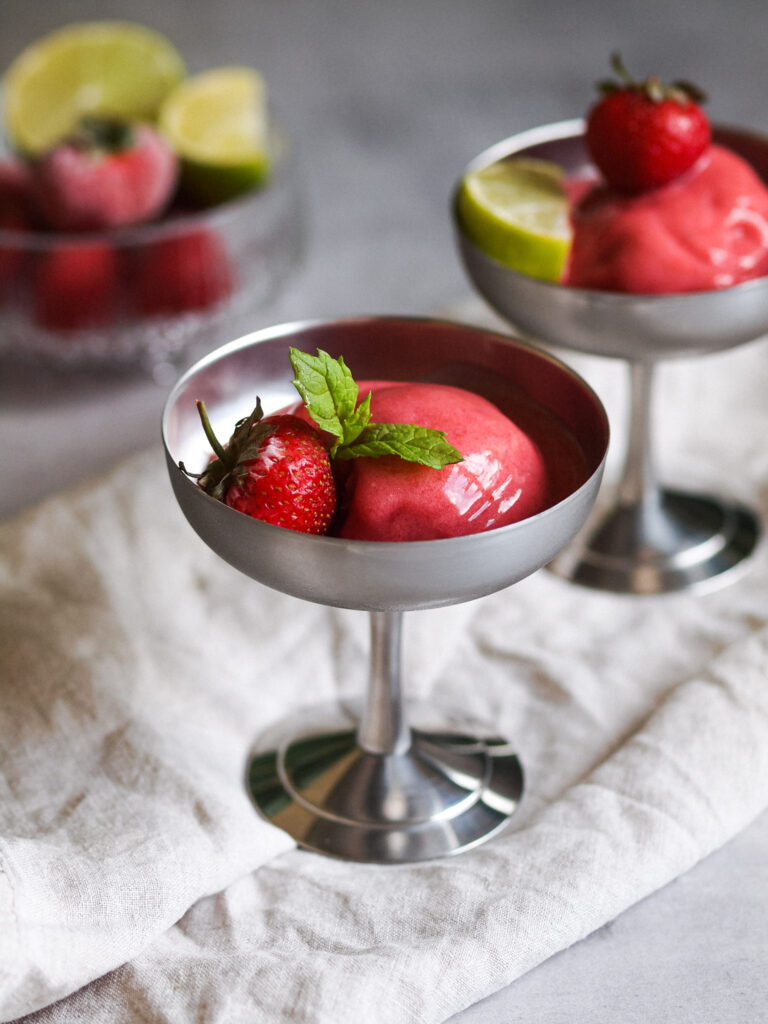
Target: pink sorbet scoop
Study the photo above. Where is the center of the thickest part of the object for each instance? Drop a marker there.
(502, 478)
(707, 229)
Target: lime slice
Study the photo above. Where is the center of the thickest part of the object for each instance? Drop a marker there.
(516, 211)
(114, 68)
(217, 123)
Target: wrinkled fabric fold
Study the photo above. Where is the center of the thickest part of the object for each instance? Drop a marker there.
(309, 939)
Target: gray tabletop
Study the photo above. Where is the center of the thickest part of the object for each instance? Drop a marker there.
(388, 101)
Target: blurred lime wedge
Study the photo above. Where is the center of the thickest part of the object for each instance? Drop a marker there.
(516, 211)
(217, 123)
(114, 68)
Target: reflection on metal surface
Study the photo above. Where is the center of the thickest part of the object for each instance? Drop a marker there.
(445, 793)
(695, 542)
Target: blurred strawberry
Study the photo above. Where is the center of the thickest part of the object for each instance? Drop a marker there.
(11, 256)
(183, 272)
(14, 216)
(109, 174)
(15, 188)
(76, 287)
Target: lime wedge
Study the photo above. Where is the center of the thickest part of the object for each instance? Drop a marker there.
(516, 211)
(114, 68)
(218, 125)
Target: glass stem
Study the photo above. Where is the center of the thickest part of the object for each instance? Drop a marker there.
(638, 487)
(383, 729)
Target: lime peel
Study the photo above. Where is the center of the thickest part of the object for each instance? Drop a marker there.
(517, 212)
(217, 123)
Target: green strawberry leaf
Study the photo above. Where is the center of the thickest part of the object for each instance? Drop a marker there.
(329, 393)
(228, 465)
(248, 445)
(423, 445)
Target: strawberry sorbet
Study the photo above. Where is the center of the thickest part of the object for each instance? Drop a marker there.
(707, 229)
(508, 471)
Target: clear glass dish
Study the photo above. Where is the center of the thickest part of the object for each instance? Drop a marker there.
(148, 294)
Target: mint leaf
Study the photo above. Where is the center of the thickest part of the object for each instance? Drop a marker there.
(329, 393)
(357, 422)
(423, 445)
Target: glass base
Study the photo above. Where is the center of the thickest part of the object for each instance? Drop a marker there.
(448, 791)
(683, 542)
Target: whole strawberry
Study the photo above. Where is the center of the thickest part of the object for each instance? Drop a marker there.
(109, 174)
(276, 469)
(642, 135)
(183, 272)
(76, 286)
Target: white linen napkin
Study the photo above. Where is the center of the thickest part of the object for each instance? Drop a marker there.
(135, 669)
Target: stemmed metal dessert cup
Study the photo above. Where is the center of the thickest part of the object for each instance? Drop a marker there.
(651, 539)
(388, 783)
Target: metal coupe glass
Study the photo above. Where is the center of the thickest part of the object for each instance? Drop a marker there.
(651, 539)
(377, 785)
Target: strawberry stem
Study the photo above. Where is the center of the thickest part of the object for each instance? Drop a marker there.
(620, 69)
(214, 442)
(105, 134)
(681, 91)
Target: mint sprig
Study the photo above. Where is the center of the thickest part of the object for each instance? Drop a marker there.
(329, 393)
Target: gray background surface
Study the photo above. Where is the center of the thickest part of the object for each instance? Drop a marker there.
(387, 102)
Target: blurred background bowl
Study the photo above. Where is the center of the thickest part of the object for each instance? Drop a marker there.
(152, 294)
